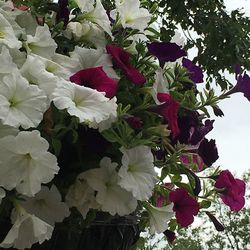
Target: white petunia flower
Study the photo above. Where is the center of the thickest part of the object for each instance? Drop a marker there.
(89, 105)
(159, 217)
(7, 34)
(131, 15)
(86, 31)
(10, 16)
(2, 194)
(43, 73)
(26, 163)
(47, 205)
(81, 196)
(99, 16)
(21, 104)
(137, 172)
(89, 58)
(27, 230)
(110, 195)
(42, 43)
(76, 30)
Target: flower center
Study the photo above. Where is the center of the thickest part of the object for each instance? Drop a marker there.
(131, 168)
(2, 35)
(13, 102)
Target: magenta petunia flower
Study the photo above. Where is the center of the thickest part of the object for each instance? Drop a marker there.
(121, 60)
(185, 206)
(95, 78)
(195, 72)
(165, 51)
(234, 190)
(169, 110)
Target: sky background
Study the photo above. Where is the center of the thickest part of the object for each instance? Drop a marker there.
(232, 132)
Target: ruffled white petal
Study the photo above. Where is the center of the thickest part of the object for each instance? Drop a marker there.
(25, 162)
(89, 105)
(21, 104)
(47, 205)
(27, 230)
(137, 173)
(110, 195)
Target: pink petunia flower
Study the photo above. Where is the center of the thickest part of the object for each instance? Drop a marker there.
(95, 78)
(121, 59)
(185, 206)
(234, 190)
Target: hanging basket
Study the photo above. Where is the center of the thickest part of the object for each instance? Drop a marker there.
(119, 233)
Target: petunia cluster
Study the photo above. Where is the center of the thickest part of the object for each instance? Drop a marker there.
(97, 115)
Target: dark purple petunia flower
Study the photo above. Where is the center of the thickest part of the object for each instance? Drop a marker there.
(243, 85)
(195, 72)
(198, 133)
(121, 60)
(185, 206)
(95, 78)
(63, 11)
(189, 120)
(165, 51)
(208, 151)
(192, 130)
(170, 235)
(234, 190)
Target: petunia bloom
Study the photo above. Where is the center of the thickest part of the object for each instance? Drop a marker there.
(195, 72)
(169, 110)
(131, 15)
(165, 51)
(47, 205)
(137, 172)
(81, 196)
(26, 163)
(95, 78)
(234, 190)
(121, 59)
(208, 151)
(89, 105)
(26, 230)
(158, 217)
(243, 86)
(185, 206)
(111, 197)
